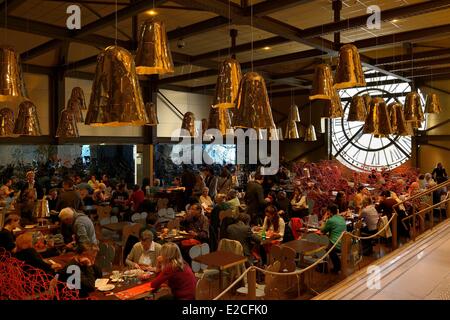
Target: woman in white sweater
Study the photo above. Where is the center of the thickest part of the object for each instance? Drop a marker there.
(274, 223)
(143, 255)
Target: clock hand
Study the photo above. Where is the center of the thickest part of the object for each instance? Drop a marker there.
(399, 147)
(358, 133)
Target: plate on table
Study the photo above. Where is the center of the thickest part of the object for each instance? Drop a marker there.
(30, 226)
(183, 232)
(133, 273)
(107, 287)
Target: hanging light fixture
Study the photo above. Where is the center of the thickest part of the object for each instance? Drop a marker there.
(377, 121)
(333, 108)
(188, 123)
(11, 81)
(153, 54)
(73, 105)
(253, 107)
(294, 114)
(27, 122)
(413, 108)
(322, 85)
(152, 115)
(397, 118)
(78, 96)
(432, 104)
(116, 98)
(358, 111)
(227, 85)
(349, 71)
(6, 122)
(310, 133)
(291, 131)
(67, 127)
(219, 118)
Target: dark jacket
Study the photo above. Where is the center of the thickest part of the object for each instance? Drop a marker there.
(32, 258)
(7, 240)
(37, 186)
(69, 199)
(241, 232)
(254, 198)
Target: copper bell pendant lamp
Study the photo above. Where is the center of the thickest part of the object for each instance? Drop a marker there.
(152, 115)
(377, 121)
(398, 123)
(333, 108)
(413, 109)
(116, 98)
(27, 122)
(11, 81)
(188, 123)
(322, 86)
(269, 134)
(432, 104)
(220, 118)
(252, 104)
(73, 105)
(153, 54)
(6, 122)
(358, 111)
(227, 85)
(349, 72)
(78, 96)
(310, 134)
(291, 131)
(67, 127)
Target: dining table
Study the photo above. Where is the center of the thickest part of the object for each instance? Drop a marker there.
(220, 260)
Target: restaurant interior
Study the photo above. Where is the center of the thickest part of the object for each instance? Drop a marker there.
(224, 150)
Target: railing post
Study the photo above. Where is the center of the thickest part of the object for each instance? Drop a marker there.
(251, 280)
(394, 231)
(414, 224)
(345, 248)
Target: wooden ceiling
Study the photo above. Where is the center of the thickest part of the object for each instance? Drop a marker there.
(288, 37)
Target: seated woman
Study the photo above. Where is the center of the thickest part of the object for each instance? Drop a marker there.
(99, 195)
(206, 201)
(85, 260)
(273, 224)
(299, 204)
(7, 239)
(6, 190)
(172, 269)
(143, 255)
(341, 201)
(29, 255)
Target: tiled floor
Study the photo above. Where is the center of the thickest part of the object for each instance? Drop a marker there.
(417, 271)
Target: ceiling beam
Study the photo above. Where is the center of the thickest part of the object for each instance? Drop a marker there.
(9, 5)
(415, 56)
(418, 64)
(271, 6)
(198, 28)
(386, 15)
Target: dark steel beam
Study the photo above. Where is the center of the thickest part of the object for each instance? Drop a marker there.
(415, 56)
(198, 28)
(417, 64)
(31, 68)
(9, 5)
(271, 6)
(40, 49)
(386, 15)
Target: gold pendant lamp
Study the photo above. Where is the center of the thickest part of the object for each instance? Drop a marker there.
(11, 81)
(398, 123)
(358, 111)
(116, 98)
(219, 118)
(67, 127)
(413, 108)
(27, 123)
(310, 134)
(349, 72)
(253, 107)
(153, 54)
(333, 108)
(377, 121)
(6, 122)
(322, 85)
(294, 114)
(188, 123)
(152, 115)
(227, 85)
(291, 131)
(78, 96)
(432, 104)
(73, 105)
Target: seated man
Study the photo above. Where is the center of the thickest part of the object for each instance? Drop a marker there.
(89, 272)
(370, 215)
(144, 253)
(196, 223)
(334, 227)
(241, 231)
(7, 239)
(69, 197)
(82, 226)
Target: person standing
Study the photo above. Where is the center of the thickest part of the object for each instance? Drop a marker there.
(30, 192)
(188, 182)
(69, 197)
(254, 198)
(211, 182)
(224, 182)
(82, 226)
(439, 174)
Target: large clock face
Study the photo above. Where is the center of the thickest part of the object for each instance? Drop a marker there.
(364, 152)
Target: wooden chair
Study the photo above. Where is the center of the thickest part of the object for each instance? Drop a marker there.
(130, 230)
(269, 288)
(103, 212)
(203, 290)
(235, 247)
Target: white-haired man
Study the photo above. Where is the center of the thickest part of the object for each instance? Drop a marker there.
(82, 226)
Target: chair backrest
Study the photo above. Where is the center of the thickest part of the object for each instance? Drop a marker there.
(132, 229)
(203, 290)
(136, 216)
(114, 219)
(103, 212)
(144, 215)
(275, 254)
(196, 251)
(271, 290)
(287, 259)
(232, 246)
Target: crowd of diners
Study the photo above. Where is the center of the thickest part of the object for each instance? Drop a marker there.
(218, 205)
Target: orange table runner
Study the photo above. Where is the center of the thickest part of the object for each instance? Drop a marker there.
(134, 292)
